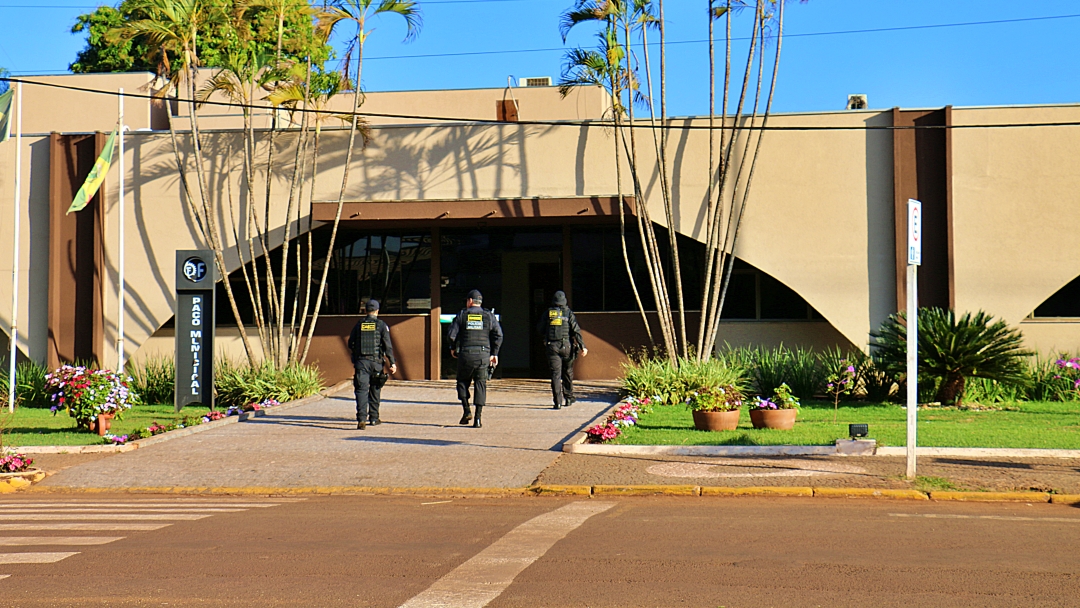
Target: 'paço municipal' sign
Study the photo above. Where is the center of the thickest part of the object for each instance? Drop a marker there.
(196, 279)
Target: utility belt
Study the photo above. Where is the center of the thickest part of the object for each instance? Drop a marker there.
(375, 358)
(560, 342)
(474, 349)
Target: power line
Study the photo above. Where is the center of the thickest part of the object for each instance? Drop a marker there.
(605, 124)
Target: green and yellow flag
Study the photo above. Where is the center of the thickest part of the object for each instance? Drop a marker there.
(96, 176)
(5, 114)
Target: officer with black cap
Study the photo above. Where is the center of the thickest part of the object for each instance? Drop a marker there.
(559, 328)
(370, 345)
(475, 338)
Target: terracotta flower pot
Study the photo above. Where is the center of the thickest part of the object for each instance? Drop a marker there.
(716, 421)
(783, 420)
(102, 424)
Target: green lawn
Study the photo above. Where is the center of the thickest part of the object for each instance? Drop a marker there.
(1038, 424)
(29, 426)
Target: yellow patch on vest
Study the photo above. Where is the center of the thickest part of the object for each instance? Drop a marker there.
(368, 326)
(556, 321)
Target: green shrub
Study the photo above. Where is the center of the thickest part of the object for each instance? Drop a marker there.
(768, 368)
(661, 380)
(240, 384)
(1045, 381)
(953, 349)
(982, 390)
(30, 385)
(876, 383)
(154, 380)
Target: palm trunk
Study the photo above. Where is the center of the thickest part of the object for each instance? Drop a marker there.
(710, 246)
(341, 193)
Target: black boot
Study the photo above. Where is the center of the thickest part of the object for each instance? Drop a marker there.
(476, 421)
(466, 417)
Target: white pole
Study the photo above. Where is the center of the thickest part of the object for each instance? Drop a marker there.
(123, 196)
(15, 249)
(914, 259)
(912, 364)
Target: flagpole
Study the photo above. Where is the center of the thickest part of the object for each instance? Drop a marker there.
(15, 248)
(120, 323)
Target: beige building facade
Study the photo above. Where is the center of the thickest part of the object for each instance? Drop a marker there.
(514, 191)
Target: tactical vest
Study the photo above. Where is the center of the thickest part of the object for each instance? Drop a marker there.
(558, 324)
(476, 328)
(370, 345)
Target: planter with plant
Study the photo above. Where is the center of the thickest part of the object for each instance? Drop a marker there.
(776, 412)
(93, 397)
(716, 409)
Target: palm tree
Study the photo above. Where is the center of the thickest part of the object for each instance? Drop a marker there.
(952, 349)
(171, 30)
(357, 12)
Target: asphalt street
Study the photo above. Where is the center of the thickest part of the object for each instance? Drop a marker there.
(144, 550)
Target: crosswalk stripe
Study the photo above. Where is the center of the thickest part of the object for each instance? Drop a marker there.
(4, 575)
(79, 527)
(7, 505)
(478, 581)
(125, 509)
(17, 541)
(35, 558)
(102, 516)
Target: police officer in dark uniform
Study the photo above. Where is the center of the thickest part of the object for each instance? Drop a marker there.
(370, 345)
(559, 328)
(475, 338)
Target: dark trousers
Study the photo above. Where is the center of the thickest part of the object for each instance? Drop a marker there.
(367, 396)
(472, 367)
(561, 361)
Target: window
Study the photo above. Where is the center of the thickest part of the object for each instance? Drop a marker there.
(1064, 303)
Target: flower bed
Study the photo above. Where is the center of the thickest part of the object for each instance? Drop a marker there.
(15, 463)
(157, 428)
(626, 414)
(88, 393)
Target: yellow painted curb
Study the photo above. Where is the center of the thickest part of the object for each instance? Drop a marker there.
(296, 491)
(562, 490)
(870, 493)
(757, 491)
(1065, 499)
(646, 490)
(992, 496)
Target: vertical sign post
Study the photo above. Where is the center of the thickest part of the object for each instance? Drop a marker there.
(196, 278)
(914, 258)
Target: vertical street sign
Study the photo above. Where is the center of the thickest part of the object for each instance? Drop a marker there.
(914, 248)
(196, 278)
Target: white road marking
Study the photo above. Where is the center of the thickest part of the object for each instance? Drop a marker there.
(35, 558)
(438, 502)
(134, 505)
(1071, 520)
(481, 579)
(4, 575)
(93, 527)
(125, 509)
(14, 541)
(102, 516)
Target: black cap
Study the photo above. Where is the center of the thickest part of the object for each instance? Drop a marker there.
(559, 299)
(372, 305)
(475, 296)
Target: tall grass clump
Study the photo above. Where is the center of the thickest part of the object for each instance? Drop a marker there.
(240, 384)
(154, 379)
(668, 383)
(801, 369)
(30, 385)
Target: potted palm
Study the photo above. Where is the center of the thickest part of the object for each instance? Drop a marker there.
(776, 412)
(716, 408)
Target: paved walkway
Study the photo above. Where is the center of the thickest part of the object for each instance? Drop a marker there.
(419, 444)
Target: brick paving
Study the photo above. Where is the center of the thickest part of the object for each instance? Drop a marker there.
(419, 444)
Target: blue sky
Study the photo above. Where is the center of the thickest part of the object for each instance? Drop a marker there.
(1025, 62)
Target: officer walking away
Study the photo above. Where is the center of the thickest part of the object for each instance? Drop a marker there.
(559, 328)
(475, 338)
(370, 345)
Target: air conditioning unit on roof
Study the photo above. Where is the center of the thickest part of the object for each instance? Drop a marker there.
(537, 81)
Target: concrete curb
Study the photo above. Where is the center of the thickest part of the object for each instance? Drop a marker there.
(583, 490)
(870, 493)
(176, 434)
(297, 491)
(757, 491)
(983, 452)
(10, 482)
(991, 496)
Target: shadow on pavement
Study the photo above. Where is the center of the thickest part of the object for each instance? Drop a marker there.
(983, 463)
